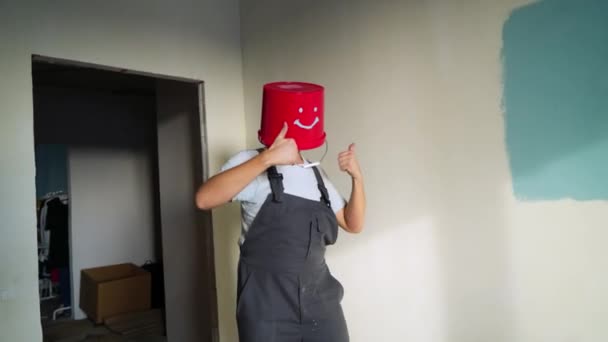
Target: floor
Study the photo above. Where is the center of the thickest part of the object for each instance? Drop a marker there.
(48, 306)
(145, 326)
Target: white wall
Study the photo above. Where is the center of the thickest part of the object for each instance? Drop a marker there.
(448, 254)
(112, 210)
(194, 39)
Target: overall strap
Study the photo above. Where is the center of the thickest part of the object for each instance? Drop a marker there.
(276, 181)
(321, 186)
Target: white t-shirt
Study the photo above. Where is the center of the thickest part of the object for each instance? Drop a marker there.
(297, 181)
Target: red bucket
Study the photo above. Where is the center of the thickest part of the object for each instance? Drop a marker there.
(298, 104)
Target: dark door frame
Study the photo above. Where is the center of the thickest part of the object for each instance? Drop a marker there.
(204, 219)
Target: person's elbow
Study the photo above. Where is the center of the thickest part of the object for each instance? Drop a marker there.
(203, 201)
(354, 228)
(350, 224)
(200, 203)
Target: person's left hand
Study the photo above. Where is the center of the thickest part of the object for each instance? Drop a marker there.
(348, 162)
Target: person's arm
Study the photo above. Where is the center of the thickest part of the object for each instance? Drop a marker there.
(221, 188)
(351, 218)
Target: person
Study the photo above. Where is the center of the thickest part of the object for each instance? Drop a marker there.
(290, 213)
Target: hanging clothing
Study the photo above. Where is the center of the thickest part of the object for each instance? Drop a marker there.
(57, 224)
(44, 236)
(286, 292)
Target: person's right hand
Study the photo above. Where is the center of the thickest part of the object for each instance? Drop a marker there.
(283, 151)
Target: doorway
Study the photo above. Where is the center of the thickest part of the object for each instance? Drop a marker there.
(123, 152)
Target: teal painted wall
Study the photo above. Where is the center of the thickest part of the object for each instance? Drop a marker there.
(555, 55)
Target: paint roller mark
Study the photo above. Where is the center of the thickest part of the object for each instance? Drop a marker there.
(555, 72)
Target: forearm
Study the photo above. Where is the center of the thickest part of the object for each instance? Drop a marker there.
(222, 187)
(354, 212)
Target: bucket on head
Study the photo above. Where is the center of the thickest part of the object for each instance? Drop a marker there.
(298, 104)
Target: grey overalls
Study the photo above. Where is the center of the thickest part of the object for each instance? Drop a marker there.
(285, 290)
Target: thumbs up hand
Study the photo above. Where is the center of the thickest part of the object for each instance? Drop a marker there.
(283, 151)
(349, 164)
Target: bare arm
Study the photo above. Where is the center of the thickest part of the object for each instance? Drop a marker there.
(221, 188)
(351, 218)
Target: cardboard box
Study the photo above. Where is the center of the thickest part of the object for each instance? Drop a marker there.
(111, 290)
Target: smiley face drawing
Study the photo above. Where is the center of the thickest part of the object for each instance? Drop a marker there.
(298, 104)
(313, 124)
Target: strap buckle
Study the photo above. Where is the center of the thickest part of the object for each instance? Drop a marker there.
(275, 175)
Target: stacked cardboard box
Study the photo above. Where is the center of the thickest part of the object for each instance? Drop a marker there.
(111, 290)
